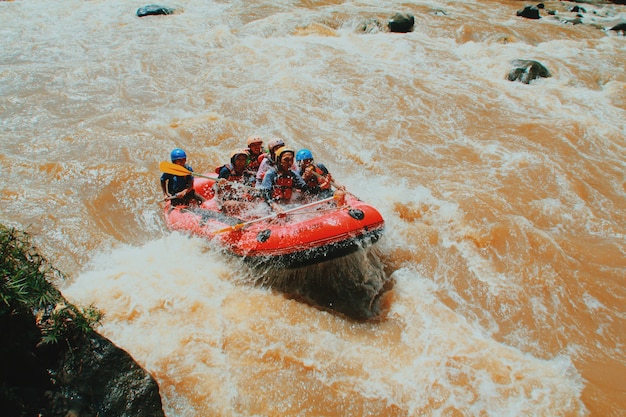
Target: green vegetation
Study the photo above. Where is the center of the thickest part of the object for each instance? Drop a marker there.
(25, 288)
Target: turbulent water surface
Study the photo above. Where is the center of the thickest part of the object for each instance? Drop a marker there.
(505, 202)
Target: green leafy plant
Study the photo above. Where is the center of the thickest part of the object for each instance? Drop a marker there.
(25, 287)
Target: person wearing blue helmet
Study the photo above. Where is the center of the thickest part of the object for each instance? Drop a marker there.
(315, 175)
(179, 189)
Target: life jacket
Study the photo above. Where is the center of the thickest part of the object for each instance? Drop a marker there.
(270, 164)
(283, 187)
(233, 176)
(233, 188)
(178, 183)
(318, 181)
(254, 163)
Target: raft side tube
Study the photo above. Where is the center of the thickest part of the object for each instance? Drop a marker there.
(311, 256)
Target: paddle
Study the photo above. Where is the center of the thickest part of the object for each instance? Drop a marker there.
(280, 214)
(181, 171)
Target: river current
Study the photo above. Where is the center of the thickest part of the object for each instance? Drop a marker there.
(505, 203)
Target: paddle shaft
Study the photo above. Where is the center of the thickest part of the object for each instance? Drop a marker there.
(271, 216)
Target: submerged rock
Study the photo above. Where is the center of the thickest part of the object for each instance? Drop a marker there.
(527, 70)
(372, 25)
(619, 28)
(154, 9)
(529, 12)
(401, 23)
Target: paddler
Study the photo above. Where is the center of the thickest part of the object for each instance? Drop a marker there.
(179, 189)
(233, 188)
(316, 175)
(281, 180)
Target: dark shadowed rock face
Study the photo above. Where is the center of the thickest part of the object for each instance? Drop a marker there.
(102, 378)
(24, 378)
(86, 376)
(527, 70)
(354, 286)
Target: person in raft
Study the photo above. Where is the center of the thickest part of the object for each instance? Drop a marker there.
(315, 175)
(280, 181)
(237, 169)
(234, 193)
(268, 160)
(255, 150)
(179, 189)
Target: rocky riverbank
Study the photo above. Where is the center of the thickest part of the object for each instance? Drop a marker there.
(52, 362)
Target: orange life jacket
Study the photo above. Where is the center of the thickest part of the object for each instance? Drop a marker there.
(283, 188)
(318, 180)
(233, 176)
(228, 190)
(254, 163)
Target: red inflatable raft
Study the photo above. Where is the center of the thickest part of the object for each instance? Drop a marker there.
(304, 234)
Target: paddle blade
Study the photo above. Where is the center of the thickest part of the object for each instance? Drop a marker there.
(230, 228)
(172, 168)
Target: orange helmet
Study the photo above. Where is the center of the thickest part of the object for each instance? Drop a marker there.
(234, 154)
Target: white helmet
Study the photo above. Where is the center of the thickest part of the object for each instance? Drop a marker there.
(276, 142)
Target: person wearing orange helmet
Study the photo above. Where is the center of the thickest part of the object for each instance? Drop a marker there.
(236, 170)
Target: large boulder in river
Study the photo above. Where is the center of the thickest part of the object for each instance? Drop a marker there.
(620, 28)
(529, 12)
(526, 70)
(101, 379)
(153, 10)
(401, 23)
(83, 376)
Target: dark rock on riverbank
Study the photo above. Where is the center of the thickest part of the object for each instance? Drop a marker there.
(52, 362)
(85, 376)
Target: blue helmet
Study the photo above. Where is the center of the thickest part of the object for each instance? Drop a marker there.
(178, 154)
(303, 154)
